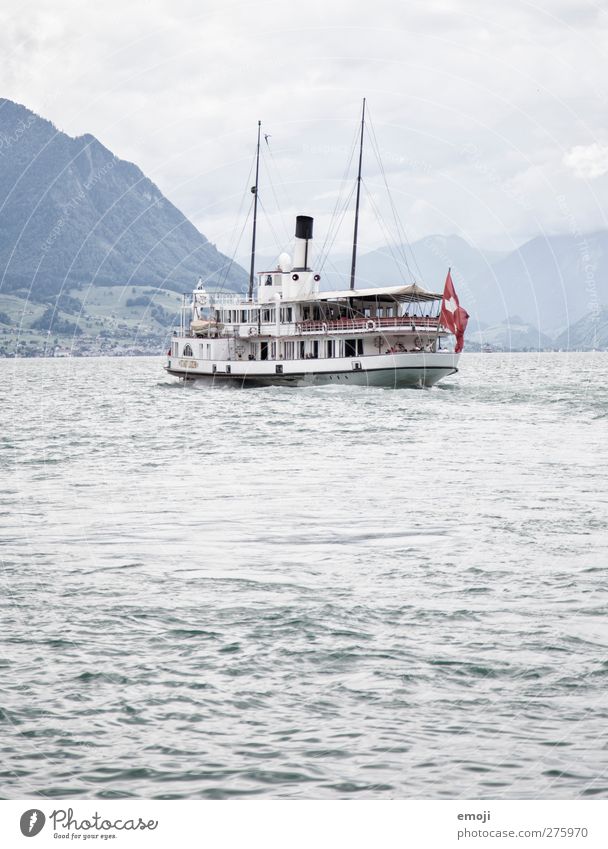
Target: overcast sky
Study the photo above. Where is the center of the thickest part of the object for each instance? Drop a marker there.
(491, 116)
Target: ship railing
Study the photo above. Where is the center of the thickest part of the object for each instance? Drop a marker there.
(227, 300)
(371, 324)
(342, 325)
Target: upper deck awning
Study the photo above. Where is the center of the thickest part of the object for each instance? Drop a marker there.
(383, 293)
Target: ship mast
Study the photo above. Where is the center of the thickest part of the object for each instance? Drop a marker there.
(254, 190)
(354, 258)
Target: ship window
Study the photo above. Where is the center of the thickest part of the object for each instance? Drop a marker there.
(187, 351)
(268, 280)
(302, 346)
(329, 347)
(228, 369)
(315, 349)
(360, 347)
(350, 347)
(356, 366)
(289, 350)
(278, 369)
(273, 350)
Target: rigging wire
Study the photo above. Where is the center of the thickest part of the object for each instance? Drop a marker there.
(387, 235)
(270, 224)
(230, 263)
(268, 174)
(282, 184)
(325, 256)
(400, 229)
(224, 278)
(343, 183)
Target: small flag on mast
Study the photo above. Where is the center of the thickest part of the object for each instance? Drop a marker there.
(453, 317)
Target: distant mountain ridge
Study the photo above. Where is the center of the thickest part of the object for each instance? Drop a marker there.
(72, 213)
(550, 282)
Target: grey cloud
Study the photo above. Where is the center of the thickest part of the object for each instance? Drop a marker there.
(178, 87)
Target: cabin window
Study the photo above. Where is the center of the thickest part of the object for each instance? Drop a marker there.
(289, 350)
(329, 348)
(302, 347)
(315, 349)
(228, 369)
(268, 281)
(243, 316)
(277, 279)
(278, 369)
(360, 347)
(350, 347)
(306, 313)
(273, 350)
(187, 351)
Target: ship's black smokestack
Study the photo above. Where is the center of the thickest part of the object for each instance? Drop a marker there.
(303, 237)
(303, 227)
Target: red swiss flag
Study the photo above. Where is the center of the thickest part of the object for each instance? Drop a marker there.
(453, 317)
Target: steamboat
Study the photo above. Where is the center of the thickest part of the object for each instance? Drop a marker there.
(288, 331)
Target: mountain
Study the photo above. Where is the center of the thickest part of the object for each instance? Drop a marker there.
(74, 214)
(587, 334)
(551, 281)
(425, 261)
(513, 334)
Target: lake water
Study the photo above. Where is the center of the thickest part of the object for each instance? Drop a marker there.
(304, 593)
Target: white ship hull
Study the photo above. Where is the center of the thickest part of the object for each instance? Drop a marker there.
(392, 370)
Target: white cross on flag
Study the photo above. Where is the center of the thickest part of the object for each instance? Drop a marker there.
(453, 317)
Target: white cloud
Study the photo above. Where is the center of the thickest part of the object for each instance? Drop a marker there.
(177, 86)
(588, 161)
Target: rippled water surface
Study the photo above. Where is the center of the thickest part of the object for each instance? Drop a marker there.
(306, 593)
